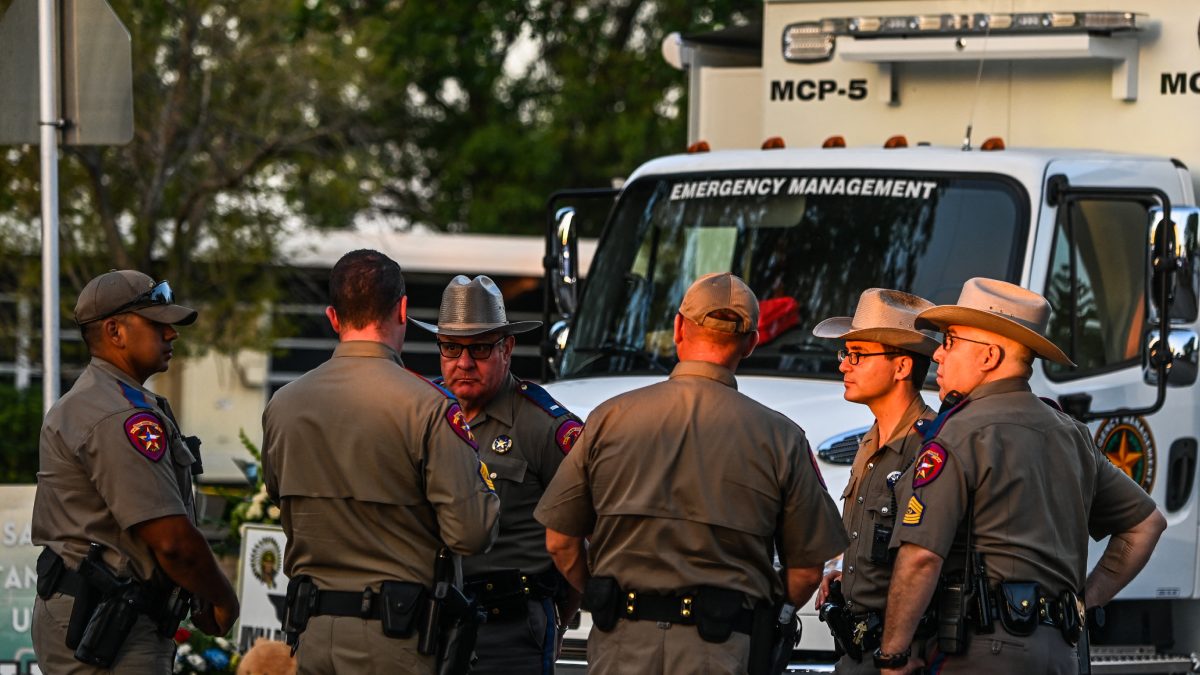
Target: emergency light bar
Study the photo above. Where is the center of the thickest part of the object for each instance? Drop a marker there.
(814, 40)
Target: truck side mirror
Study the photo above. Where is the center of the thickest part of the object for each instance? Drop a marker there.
(565, 253)
(1185, 286)
(1184, 346)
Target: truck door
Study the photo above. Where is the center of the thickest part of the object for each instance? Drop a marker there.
(1092, 261)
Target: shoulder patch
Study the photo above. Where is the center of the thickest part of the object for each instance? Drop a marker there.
(135, 396)
(543, 399)
(568, 432)
(913, 512)
(458, 422)
(929, 429)
(145, 434)
(929, 464)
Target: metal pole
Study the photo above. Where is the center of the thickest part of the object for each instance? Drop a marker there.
(48, 88)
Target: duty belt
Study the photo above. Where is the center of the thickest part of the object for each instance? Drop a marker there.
(362, 604)
(504, 594)
(680, 609)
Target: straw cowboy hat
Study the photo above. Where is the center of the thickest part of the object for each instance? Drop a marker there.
(1001, 308)
(474, 307)
(884, 316)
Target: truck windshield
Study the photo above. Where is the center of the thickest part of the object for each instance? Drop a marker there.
(807, 244)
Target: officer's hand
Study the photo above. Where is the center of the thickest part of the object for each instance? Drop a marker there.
(823, 591)
(914, 664)
(214, 619)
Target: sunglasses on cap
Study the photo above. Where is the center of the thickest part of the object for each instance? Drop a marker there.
(478, 351)
(159, 295)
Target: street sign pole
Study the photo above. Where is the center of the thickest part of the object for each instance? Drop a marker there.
(49, 125)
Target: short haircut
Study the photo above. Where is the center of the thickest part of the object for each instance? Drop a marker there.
(364, 288)
(920, 368)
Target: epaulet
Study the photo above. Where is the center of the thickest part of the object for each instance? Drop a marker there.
(929, 429)
(1052, 403)
(543, 399)
(135, 396)
(436, 383)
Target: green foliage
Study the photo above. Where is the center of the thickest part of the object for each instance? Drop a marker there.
(254, 507)
(20, 425)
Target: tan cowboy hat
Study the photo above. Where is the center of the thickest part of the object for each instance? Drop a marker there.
(474, 307)
(884, 316)
(1001, 308)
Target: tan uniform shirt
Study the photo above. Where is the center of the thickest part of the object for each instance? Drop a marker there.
(374, 468)
(1040, 485)
(687, 483)
(869, 511)
(109, 458)
(523, 436)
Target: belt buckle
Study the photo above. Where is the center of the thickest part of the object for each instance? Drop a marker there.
(630, 603)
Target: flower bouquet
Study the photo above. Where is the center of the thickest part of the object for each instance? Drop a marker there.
(199, 653)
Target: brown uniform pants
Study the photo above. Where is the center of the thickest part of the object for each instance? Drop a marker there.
(144, 651)
(649, 648)
(1045, 653)
(343, 644)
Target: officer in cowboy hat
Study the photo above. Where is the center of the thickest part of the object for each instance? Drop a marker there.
(523, 436)
(883, 365)
(1025, 482)
(115, 470)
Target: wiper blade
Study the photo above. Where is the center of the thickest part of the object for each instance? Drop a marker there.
(648, 357)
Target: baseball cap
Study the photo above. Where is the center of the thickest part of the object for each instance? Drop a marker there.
(119, 291)
(721, 291)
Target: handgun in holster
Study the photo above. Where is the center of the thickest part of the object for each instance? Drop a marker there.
(301, 603)
(109, 625)
(451, 621)
(774, 634)
(841, 624)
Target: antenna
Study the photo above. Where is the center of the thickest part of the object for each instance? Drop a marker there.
(987, 31)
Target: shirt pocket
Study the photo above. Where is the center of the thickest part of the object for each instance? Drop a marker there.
(507, 469)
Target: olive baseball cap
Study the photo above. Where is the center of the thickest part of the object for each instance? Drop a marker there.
(721, 291)
(120, 291)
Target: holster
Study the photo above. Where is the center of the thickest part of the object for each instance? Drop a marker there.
(301, 603)
(1073, 621)
(716, 611)
(1019, 607)
(52, 572)
(108, 628)
(601, 597)
(951, 615)
(841, 624)
(775, 633)
(450, 629)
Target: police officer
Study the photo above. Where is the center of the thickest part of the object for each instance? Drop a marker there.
(116, 476)
(1026, 484)
(684, 489)
(375, 470)
(883, 367)
(523, 436)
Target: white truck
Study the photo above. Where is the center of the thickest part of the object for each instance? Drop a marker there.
(914, 144)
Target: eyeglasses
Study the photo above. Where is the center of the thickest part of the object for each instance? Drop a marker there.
(478, 351)
(159, 295)
(855, 357)
(948, 341)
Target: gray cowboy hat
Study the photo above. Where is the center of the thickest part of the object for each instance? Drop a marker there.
(1001, 308)
(474, 307)
(884, 316)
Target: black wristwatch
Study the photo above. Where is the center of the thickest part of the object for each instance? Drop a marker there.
(891, 660)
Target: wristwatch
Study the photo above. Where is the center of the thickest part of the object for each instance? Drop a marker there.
(891, 660)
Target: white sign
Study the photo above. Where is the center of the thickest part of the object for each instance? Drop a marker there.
(262, 585)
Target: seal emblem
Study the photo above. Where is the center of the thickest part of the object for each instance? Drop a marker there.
(1129, 445)
(501, 445)
(145, 434)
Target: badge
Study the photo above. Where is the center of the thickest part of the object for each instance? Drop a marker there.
(458, 422)
(913, 512)
(501, 445)
(145, 434)
(930, 463)
(568, 432)
(1129, 445)
(486, 476)
(892, 478)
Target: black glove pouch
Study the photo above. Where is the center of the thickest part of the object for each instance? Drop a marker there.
(1019, 607)
(602, 597)
(401, 605)
(717, 610)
